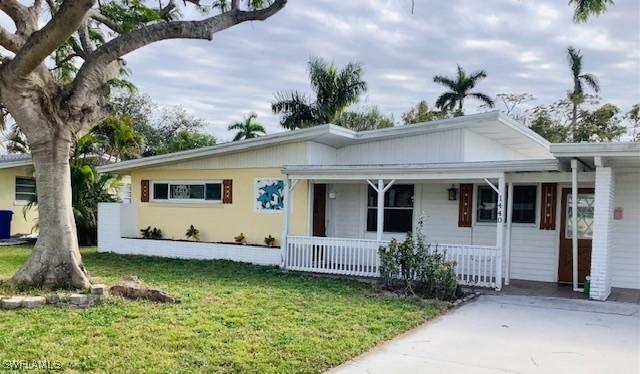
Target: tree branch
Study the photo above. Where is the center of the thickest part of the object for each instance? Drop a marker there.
(18, 13)
(44, 41)
(131, 41)
(96, 15)
(11, 42)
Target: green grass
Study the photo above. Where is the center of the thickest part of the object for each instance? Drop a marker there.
(231, 318)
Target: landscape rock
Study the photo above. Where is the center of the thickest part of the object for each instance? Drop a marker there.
(80, 299)
(31, 302)
(100, 291)
(53, 298)
(135, 292)
(13, 302)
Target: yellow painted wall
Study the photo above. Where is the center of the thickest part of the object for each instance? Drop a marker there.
(218, 222)
(19, 224)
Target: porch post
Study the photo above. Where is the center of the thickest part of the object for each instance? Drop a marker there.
(602, 226)
(380, 210)
(287, 190)
(507, 275)
(574, 222)
(499, 231)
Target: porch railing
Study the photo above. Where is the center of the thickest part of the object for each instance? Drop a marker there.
(476, 265)
(333, 255)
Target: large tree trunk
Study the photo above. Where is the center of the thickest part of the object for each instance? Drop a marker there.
(55, 261)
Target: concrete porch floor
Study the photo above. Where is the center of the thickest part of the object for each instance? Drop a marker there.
(548, 289)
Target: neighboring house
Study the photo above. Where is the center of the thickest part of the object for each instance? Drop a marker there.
(17, 187)
(350, 192)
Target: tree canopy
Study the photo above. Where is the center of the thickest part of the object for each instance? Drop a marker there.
(248, 128)
(335, 89)
(459, 89)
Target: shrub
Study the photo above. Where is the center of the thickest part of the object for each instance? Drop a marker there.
(149, 233)
(270, 241)
(240, 238)
(193, 233)
(417, 268)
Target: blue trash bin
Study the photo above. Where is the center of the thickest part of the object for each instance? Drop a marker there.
(5, 224)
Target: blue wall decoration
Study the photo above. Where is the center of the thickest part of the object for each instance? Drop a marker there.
(269, 195)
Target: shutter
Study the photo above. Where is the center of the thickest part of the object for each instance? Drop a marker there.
(548, 202)
(144, 190)
(227, 191)
(466, 204)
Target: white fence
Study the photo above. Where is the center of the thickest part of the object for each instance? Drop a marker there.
(116, 220)
(476, 265)
(333, 255)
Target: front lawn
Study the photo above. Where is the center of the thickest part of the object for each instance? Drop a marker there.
(231, 318)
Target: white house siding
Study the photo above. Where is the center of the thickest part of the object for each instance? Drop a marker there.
(625, 256)
(445, 146)
(275, 156)
(533, 251)
(481, 148)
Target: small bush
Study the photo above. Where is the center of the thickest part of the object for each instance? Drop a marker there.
(193, 233)
(240, 238)
(150, 233)
(270, 241)
(417, 268)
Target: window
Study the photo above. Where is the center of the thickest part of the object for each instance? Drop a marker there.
(487, 204)
(188, 191)
(524, 204)
(25, 189)
(398, 209)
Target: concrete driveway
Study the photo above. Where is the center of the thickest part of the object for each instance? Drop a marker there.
(515, 334)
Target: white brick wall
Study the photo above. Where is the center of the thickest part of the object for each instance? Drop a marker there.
(602, 234)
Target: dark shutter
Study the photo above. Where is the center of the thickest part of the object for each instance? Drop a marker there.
(466, 204)
(227, 191)
(548, 206)
(144, 190)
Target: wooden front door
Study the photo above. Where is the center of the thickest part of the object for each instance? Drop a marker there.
(319, 208)
(585, 231)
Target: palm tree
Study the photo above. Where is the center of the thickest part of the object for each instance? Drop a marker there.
(335, 89)
(586, 8)
(580, 79)
(459, 89)
(247, 128)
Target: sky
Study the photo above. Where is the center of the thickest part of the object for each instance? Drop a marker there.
(520, 43)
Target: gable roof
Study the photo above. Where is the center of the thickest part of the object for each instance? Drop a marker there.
(494, 125)
(11, 161)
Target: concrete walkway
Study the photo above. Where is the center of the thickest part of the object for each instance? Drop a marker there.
(515, 334)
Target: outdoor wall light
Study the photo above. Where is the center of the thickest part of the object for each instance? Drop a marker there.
(453, 191)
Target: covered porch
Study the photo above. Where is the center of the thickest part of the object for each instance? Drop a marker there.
(356, 209)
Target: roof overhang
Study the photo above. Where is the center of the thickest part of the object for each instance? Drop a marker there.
(13, 162)
(618, 155)
(439, 171)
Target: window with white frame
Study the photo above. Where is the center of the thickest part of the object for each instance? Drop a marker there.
(398, 209)
(524, 204)
(210, 191)
(25, 189)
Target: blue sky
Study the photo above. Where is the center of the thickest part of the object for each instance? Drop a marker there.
(520, 43)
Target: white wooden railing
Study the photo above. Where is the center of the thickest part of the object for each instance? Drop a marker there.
(333, 255)
(476, 265)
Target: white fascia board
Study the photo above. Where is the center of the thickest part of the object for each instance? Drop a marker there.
(610, 149)
(408, 171)
(15, 164)
(527, 132)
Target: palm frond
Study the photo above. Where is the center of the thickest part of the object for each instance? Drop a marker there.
(485, 99)
(591, 81)
(445, 81)
(447, 101)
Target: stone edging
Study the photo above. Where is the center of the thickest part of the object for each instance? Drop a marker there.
(98, 292)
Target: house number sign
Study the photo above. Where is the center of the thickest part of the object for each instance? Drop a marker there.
(499, 210)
